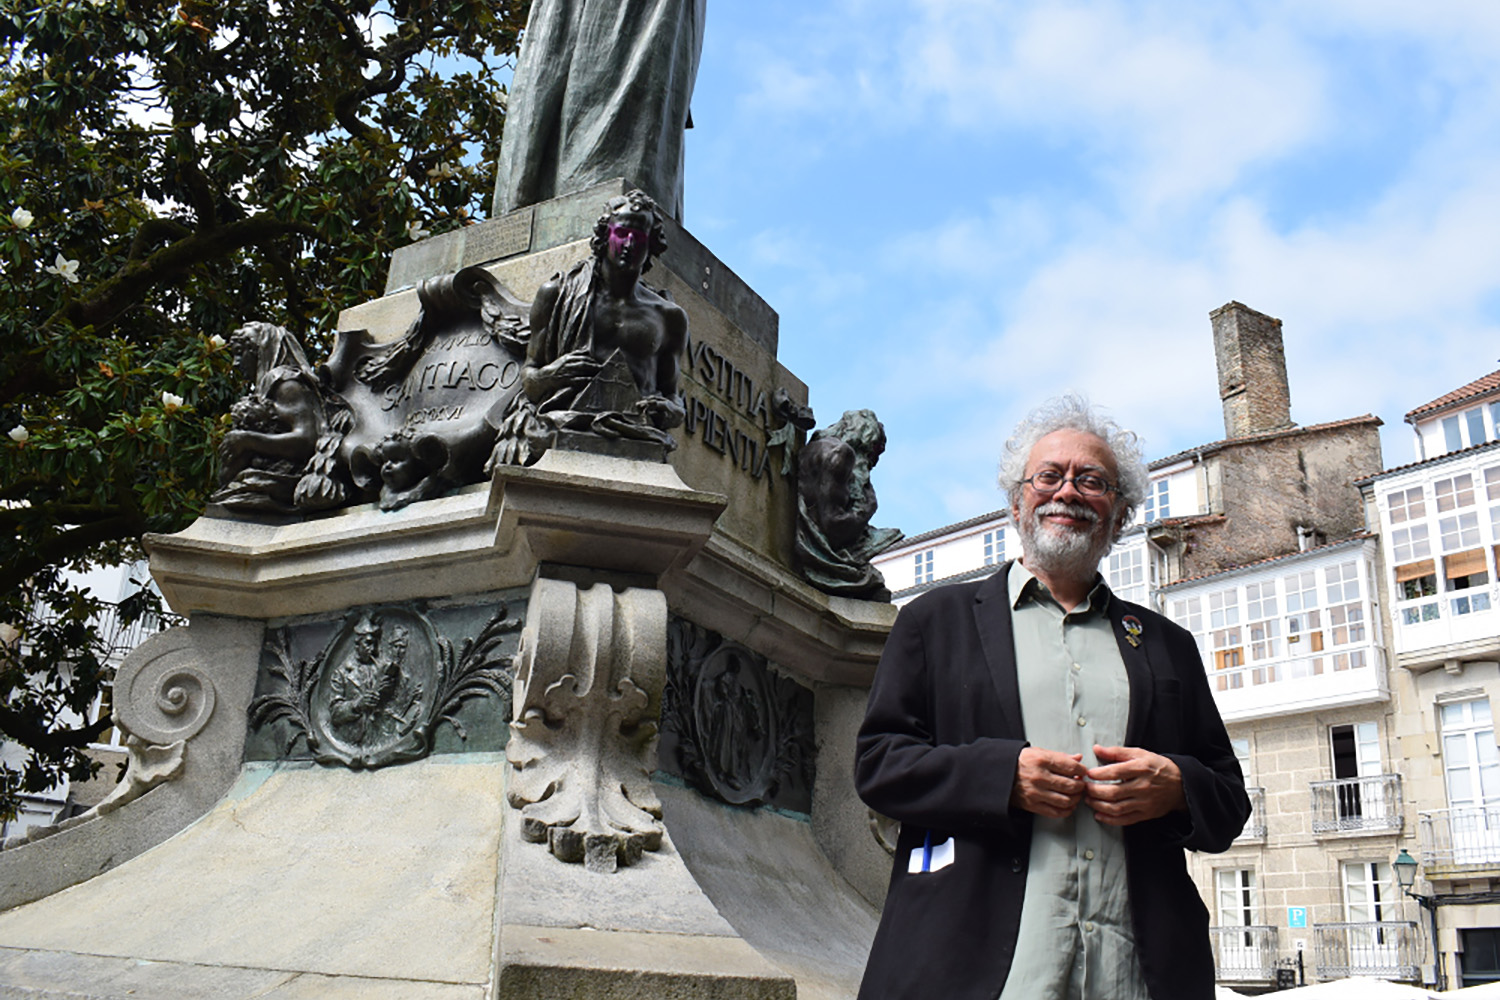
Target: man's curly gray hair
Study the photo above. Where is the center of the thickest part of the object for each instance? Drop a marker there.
(1074, 412)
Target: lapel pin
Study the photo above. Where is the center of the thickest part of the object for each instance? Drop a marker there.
(1132, 629)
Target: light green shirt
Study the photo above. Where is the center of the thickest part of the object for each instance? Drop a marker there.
(1075, 940)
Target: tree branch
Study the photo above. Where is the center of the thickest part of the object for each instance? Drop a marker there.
(125, 526)
(131, 282)
(27, 731)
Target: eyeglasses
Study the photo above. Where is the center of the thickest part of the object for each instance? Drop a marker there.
(1049, 481)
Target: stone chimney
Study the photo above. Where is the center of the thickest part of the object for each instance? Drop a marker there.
(1252, 371)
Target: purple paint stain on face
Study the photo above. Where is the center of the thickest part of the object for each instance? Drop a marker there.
(626, 241)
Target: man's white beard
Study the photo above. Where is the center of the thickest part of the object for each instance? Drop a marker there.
(1060, 552)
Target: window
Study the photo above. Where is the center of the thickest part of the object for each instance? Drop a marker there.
(1263, 636)
(1459, 532)
(1471, 763)
(1158, 499)
(994, 546)
(1301, 591)
(1450, 494)
(1416, 584)
(1418, 615)
(1346, 624)
(1188, 613)
(1127, 574)
(1410, 543)
(1470, 603)
(1229, 656)
(1241, 745)
(1471, 772)
(1235, 890)
(1306, 627)
(1352, 660)
(1405, 505)
(924, 567)
(1452, 434)
(1260, 600)
(1342, 581)
(1369, 896)
(1474, 424)
(1223, 608)
(1492, 492)
(1479, 957)
(1355, 753)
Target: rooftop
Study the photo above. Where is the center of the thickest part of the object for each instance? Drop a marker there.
(1368, 418)
(1446, 457)
(1478, 387)
(1290, 556)
(947, 529)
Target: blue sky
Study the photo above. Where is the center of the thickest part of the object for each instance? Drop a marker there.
(962, 207)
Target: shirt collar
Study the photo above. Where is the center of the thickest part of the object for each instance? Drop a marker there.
(1025, 587)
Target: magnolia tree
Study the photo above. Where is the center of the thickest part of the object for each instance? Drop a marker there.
(170, 170)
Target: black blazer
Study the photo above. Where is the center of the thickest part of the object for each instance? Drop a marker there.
(938, 751)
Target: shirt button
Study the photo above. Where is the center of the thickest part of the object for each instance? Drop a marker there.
(1089, 927)
(1088, 855)
(1077, 667)
(1082, 721)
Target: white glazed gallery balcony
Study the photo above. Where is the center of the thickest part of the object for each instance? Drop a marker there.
(1287, 684)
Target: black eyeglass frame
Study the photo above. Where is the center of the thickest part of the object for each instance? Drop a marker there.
(1106, 489)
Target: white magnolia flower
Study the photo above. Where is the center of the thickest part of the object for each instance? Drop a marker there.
(19, 434)
(170, 400)
(65, 269)
(442, 171)
(415, 231)
(216, 342)
(21, 218)
(8, 634)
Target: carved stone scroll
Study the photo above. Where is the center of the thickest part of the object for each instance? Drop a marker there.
(583, 743)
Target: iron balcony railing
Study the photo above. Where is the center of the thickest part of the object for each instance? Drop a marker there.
(1468, 836)
(117, 636)
(1255, 826)
(1352, 804)
(1383, 949)
(1244, 954)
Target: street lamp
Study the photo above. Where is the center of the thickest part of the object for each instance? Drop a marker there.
(1406, 875)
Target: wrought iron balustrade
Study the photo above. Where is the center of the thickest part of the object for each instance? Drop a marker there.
(117, 636)
(1468, 836)
(1244, 954)
(1383, 949)
(1255, 826)
(1351, 804)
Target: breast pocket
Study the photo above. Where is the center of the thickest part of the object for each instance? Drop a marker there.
(1166, 712)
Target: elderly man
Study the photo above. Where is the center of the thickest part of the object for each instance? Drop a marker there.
(1050, 750)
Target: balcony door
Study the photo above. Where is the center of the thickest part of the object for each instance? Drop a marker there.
(1356, 754)
(1471, 766)
(1239, 956)
(1369, 901)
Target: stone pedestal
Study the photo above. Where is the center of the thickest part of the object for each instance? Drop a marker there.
(513, 637)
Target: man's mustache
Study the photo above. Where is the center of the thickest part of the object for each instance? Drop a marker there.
(1080, 511)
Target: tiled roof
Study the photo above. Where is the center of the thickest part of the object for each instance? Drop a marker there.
(1241, 567)
(976, 573)
(947, 529)
(1368, 418)
(1462, 452)
(1187, 520)
(1478, 387)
